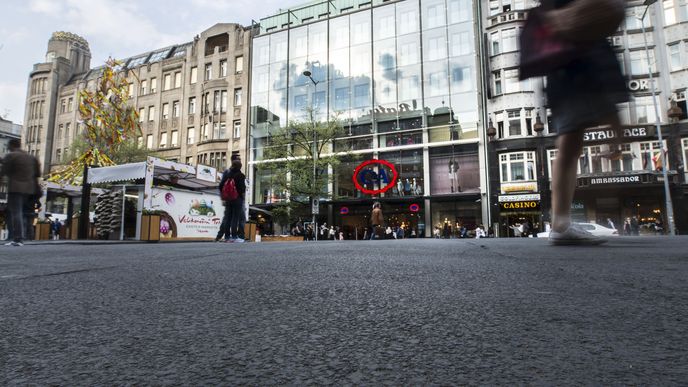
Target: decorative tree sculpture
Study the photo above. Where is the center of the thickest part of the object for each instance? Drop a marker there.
(110, 124)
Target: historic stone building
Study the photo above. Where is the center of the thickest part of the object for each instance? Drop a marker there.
(190, 97)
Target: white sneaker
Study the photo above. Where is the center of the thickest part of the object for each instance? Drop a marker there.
(239, 240)
(18, 244)
(9, 244)
(575, 236)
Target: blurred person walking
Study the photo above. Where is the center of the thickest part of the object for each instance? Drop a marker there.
(23, 171)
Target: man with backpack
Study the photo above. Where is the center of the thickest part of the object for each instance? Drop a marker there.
(233, 192)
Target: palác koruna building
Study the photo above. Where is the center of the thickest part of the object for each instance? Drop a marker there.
(404, 77)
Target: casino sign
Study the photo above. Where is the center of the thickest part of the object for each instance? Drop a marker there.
(374, 176)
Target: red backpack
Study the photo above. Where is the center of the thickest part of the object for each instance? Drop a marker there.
(229, 191)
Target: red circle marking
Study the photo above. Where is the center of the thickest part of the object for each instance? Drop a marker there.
(391, 184)
(414, 208)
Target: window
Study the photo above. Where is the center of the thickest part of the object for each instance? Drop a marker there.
(223, 101)
(60, 130)
(519, 166)
(190, 135)
(509, 37)
(208, 71)
(142, 114)
(63, 105)
(551, 156)
(144, 87)
(194, 75)
(511, 83)
(70, 104)
(192, 105)
(174, 139)
(149, 141)
(175, 109)
(177, 79)
(151, 113)
(669, 13)
(58, 156)
(68, 129)
(165, 111)
(205, 135)
(154, 85)
(163, 140)
(633, 21)
(167, 82)
(644, 110)
(131, 90)
(216, 101)
(625, 163)
(651, 156)
(223, 68)
(139, 140)
(239, 64)
(639, 62)
(675, 57)
(497, 79)
(515, 123)
(237, 129)
(237, 97)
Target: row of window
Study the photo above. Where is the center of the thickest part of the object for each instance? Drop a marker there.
(638, 156)
(36, 109)
(209, 131)
(167, 84)
(218, 100)
(33, 134)
(38, 86)
(66, 105)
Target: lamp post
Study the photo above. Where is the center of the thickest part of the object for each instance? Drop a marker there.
(308, 74)
(658, 125)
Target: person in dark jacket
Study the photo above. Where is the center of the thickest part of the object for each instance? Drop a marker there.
(23, 171)
(234, 209)
(223, 234)
(581, 94)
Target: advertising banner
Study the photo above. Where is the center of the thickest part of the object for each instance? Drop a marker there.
(187, 214)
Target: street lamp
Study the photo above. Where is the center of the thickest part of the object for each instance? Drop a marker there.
(658, 125)
(308, 74)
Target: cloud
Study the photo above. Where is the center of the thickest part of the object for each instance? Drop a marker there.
(45, 6)
(12, 98)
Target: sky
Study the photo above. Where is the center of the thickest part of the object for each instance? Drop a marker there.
(117, 28)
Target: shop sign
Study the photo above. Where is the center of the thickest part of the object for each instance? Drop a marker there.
(524, 205)
(639, 85)
(187, 214)
(615, 180)
(519, 187)
(206, 173)
(519, 198)
(596, 135)
(414, 207)
(375, 173)
(344, 210)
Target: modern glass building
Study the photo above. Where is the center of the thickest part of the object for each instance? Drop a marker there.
(404, 77)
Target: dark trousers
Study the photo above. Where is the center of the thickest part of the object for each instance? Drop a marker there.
(237, 220)
(224, 226)
(15, 206)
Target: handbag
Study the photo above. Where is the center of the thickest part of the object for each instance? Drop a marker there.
(543, 52)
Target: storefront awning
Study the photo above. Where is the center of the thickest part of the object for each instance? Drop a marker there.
(117, 173)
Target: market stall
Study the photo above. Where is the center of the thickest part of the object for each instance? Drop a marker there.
(174, 200)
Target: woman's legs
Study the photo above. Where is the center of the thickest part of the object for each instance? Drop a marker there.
(569, 147)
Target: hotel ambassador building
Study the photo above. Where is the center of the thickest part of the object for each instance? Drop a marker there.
(404, 78)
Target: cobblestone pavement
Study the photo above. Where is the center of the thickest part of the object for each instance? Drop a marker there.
(410, 312)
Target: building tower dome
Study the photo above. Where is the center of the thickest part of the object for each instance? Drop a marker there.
(71, 47)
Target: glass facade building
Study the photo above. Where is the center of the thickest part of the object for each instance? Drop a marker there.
(403, 77)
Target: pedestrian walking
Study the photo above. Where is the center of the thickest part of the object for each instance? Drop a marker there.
(377, 220)
(582, 91)
(233, 189)
(610, 224)
(223, 234)
(627, 227)
(23, 171)
(635, 226)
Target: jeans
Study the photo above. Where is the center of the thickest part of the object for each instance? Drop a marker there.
(15, 205)
(373, 232)
(236, 229)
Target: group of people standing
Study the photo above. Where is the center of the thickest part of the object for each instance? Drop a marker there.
(23, 192)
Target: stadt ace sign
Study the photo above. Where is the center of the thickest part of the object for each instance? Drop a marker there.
(374, 176)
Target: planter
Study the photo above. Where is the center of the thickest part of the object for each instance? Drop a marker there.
(42, 231)
(271, 238)
(74, 229)
(250, 232)
(150, 228)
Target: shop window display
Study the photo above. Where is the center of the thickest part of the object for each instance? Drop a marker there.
(455, 219)
(453, 174)
(409, 165)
